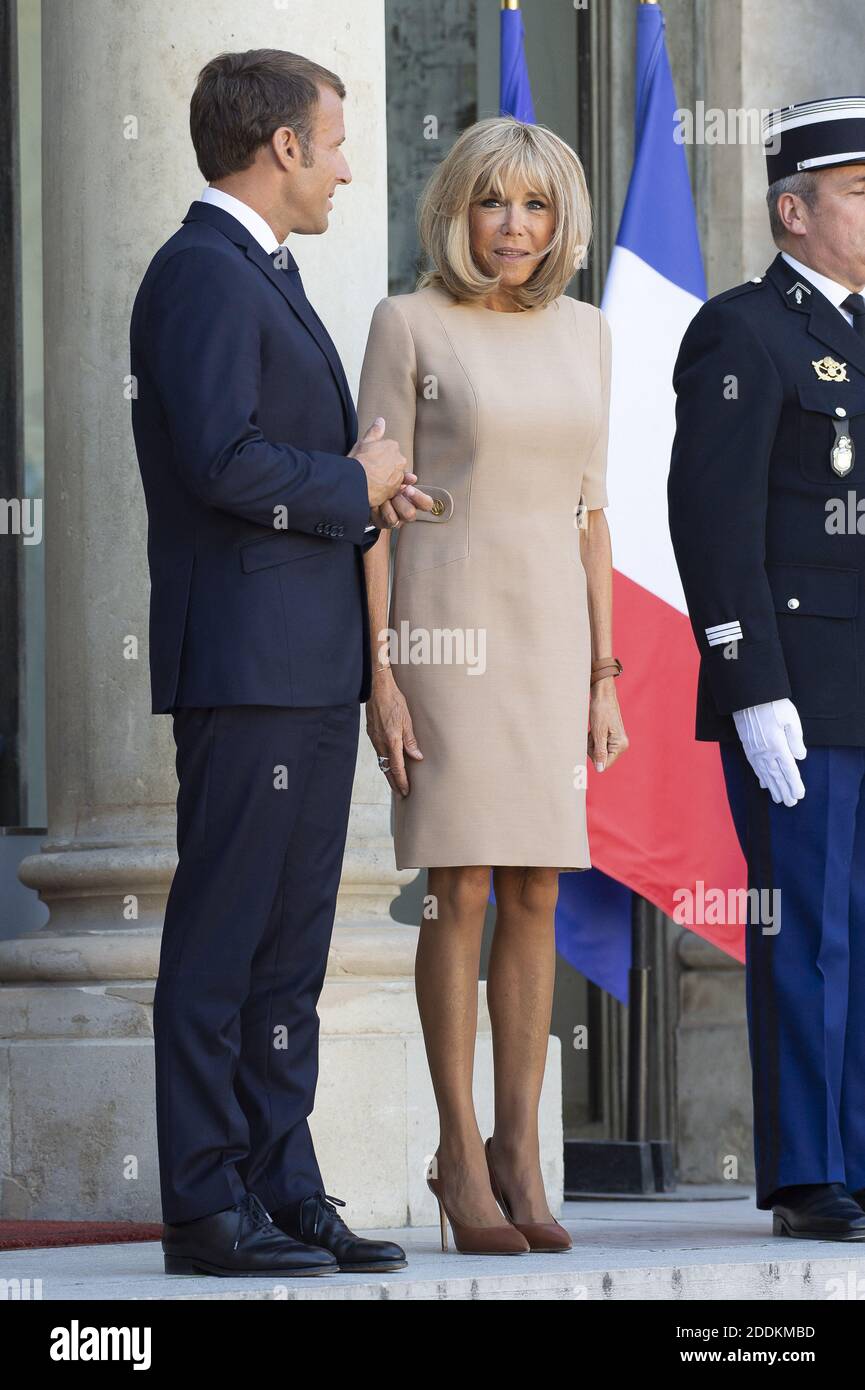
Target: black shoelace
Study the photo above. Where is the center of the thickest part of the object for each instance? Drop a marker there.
(253, 1212)
(328, 1202)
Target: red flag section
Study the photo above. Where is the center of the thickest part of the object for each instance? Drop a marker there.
(660, 822)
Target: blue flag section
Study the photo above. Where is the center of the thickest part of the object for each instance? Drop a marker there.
(658, 222)
(593, 929)
(515, 94)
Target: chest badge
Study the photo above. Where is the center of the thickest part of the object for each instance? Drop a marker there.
(828, 369)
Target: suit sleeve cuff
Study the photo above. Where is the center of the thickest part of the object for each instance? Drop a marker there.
(349, 501)
(742, 674)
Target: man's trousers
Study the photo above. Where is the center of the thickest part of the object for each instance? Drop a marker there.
(805, 973)
(262, 815)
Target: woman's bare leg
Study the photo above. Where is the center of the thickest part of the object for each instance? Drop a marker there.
(520, 982)
(446, 977)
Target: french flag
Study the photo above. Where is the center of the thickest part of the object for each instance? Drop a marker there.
(658, 821)
(515, 92)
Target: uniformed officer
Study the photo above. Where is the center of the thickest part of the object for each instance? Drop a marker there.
(767, 514)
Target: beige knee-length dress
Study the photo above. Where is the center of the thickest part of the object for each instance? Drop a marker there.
(504, 416)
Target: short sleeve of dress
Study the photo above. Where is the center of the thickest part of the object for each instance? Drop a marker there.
(594, 486)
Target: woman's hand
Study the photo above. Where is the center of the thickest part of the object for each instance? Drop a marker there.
(389, 726)
(607, 737)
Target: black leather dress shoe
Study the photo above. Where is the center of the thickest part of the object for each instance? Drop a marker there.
(817, 1211)
(316, 1221)
(859, 1196)
(243, 1240)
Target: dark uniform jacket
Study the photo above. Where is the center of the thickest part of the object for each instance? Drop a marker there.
(770, 384)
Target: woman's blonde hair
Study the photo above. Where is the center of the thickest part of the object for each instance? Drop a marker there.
(486, 159)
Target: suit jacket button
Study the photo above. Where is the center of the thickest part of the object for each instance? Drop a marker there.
(792, 603)
(839, 410)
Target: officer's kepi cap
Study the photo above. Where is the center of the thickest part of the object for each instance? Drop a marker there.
(814, 135)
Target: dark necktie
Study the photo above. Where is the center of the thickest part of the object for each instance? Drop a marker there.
(290, 269)
(855, 305)
(284, 261)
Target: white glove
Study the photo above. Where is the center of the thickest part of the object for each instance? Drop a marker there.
(772, 739)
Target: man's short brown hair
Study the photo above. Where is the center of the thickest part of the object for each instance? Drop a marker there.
(240, 99)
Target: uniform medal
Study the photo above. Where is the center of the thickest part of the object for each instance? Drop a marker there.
(841, 456)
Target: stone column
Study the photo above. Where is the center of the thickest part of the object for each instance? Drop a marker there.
(755, 55)
(713, 1072)
(119, 174)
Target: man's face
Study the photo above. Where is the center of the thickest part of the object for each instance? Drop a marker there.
(834, 229)
(310, 189)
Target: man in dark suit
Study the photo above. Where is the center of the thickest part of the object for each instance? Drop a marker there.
(768, 459)
(260, 505)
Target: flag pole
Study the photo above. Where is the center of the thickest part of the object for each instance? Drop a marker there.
(640, 980)
(637, 1165)
(639, 1003)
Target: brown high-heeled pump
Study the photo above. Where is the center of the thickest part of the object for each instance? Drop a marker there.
(476, 1240)
(546, 1237)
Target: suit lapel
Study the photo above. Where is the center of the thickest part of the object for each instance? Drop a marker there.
(291, 292)
(825, 322)
(295, 297)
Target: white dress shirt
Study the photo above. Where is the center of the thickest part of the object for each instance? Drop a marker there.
(830, 289)
(251, 220)
(247, 216)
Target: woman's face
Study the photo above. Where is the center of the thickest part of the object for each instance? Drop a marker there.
(509, 233)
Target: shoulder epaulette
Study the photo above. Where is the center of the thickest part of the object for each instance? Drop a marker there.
(756, 283)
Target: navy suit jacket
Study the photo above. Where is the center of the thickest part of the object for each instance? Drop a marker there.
(242, 419)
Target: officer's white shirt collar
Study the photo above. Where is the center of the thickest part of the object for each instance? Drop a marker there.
(247, 216)
(830, 289)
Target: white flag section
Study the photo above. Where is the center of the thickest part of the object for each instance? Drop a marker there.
(648, 315)
(658, 823)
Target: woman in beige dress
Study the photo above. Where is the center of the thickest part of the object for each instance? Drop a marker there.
(496, 386)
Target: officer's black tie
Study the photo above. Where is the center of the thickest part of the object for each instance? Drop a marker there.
(855, 305)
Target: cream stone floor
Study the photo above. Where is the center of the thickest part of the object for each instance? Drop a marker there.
(625, 1250)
